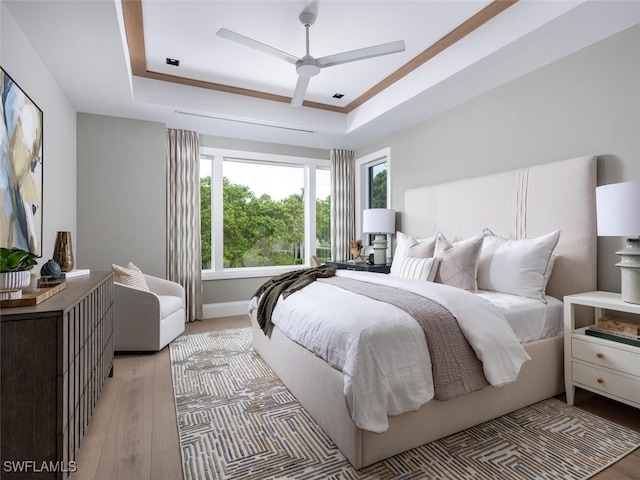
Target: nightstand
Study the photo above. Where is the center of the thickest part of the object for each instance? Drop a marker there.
(605, 367)
(363, 267)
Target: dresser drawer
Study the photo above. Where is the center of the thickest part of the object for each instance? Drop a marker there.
(606, 356)
(607, 382)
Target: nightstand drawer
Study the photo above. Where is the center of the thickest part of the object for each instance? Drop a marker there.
(606, 356)
(606, 382)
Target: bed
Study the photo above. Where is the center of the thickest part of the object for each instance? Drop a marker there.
(519, 204)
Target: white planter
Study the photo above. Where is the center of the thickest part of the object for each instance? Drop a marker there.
(12, 283)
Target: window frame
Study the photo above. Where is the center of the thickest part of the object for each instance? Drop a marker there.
(217, 156)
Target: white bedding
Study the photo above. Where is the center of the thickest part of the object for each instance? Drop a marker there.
(530, 319)
(382, 350)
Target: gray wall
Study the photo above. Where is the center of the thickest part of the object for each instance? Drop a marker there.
(262, 147)
(22, 63)
(230, 290)
(121, 193)
(586, 103)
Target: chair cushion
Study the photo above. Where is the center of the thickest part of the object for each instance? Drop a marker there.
(169, 304)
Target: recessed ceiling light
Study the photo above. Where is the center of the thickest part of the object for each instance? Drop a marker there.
(338, 95)
(173, 61)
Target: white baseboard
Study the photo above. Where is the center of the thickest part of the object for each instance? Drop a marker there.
(225, 309)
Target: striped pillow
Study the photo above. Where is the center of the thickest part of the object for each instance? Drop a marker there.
(419, 268)
(131, 276)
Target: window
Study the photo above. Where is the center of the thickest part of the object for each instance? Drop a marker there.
(261, 212)
(372, 184)
(377, 185)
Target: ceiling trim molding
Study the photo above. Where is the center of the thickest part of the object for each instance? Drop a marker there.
(134, 28)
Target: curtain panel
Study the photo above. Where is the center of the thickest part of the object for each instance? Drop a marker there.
(184, 263)
(343, 201)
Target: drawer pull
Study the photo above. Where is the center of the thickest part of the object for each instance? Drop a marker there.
(600, 355)
(600, 380)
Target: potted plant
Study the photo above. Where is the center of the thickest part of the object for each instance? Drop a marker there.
(15, 266)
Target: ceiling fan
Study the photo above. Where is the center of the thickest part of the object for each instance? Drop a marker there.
(307, 66)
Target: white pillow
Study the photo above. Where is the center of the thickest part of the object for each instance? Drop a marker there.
(409, 246)
(130, 276)
(419, 268)
(549, 271)
(516, 267)
(459, 262)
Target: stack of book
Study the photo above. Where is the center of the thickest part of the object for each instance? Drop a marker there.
(622, 331)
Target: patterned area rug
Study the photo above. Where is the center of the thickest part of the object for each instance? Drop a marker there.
(236, 420)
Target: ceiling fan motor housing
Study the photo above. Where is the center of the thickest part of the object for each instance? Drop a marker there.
(307, 18)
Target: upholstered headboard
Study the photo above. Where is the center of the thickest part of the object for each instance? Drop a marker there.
(518, 204)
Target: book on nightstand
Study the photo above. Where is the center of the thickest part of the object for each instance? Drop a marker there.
(614, 336)
(618, 325)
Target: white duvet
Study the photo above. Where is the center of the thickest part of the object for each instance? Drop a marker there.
(382, 350)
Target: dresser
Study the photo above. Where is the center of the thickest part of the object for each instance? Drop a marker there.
(55, 358)
(602, 366)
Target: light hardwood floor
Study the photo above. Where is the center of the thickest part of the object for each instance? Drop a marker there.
(133, 434)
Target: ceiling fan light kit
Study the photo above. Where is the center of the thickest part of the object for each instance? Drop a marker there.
(308, 66)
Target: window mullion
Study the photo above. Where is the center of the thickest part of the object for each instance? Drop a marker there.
(309, 213)
(217, 212)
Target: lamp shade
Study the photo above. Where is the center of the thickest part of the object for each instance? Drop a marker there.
(378, 220)
(618, 209)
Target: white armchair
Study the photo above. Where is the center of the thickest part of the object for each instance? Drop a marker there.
(147, 321)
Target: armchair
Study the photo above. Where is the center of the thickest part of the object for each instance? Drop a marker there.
(147, 321)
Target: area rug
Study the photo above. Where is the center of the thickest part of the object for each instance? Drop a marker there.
(236, 420)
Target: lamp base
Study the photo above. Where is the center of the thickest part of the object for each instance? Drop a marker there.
(630, 271)
(380, 249)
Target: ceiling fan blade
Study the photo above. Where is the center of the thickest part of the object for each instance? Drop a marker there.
(361, 54)
(251, 43)
(301, 89)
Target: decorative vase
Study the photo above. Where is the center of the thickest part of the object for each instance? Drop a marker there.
(12, 283)
(63, 251)
(51, 270)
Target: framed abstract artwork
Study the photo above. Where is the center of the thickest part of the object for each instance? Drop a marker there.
(21, 176)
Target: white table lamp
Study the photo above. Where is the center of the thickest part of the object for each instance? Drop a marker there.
(380, 222)
(618, 209)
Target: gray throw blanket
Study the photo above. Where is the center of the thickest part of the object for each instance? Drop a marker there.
(455, 365)
(285, 284)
